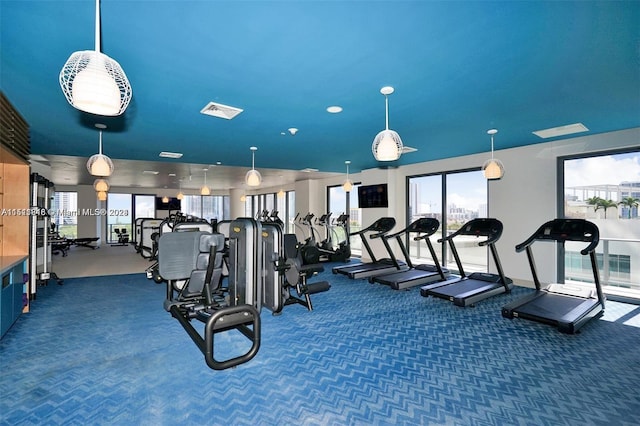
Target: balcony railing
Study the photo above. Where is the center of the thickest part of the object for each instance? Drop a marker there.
(618, 266)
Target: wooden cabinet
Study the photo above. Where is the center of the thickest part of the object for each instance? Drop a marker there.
(14, 213)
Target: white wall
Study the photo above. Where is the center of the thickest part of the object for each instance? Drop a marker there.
(523, 199)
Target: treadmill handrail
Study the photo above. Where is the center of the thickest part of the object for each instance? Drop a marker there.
(561, 230)
(426, 225)
(382, 225)
(479, 227)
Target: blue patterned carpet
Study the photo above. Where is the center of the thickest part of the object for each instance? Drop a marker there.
(103, 351)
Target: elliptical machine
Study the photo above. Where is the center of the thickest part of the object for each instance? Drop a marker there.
(308, 249)
(329, 252)
(342, 253)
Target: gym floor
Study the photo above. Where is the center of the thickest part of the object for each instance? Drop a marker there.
(106, 260)
(101, 350)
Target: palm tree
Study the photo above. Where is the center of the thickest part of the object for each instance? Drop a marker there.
(595, 202)
(605, 204)
(598, 203)
(629, 202)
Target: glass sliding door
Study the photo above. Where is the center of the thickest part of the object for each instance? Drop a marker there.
(604, 188)
(339, 203)
(453, 198)
(466, 199)
(425, 200)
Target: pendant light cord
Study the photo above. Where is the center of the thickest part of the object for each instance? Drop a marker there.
(386, 109)
(492, 147)
(97, 25)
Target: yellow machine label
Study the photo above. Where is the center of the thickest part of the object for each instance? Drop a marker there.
(236, 229)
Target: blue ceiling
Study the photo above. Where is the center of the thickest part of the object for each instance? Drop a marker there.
(458, 69)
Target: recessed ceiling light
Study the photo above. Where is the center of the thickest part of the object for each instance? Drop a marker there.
(166, 154)
(150, 172)
(334, 109)
(553, 132)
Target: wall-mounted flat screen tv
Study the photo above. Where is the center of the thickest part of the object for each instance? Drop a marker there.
(370, 196)
(173, 204)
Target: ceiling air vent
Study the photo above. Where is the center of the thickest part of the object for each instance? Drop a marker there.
(167, 154)
(568, 129)
(220, 110)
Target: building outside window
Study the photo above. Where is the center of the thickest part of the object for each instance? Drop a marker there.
(604, 188)
(65, 206)
(454, 198)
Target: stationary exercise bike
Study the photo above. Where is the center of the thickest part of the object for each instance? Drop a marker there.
(123, 237)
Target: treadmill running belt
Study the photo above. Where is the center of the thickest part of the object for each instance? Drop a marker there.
(551, 306)
(460, 288)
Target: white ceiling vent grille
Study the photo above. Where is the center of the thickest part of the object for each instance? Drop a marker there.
(553, 132)
(220, 110)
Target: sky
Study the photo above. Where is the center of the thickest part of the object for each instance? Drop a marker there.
(609, 169)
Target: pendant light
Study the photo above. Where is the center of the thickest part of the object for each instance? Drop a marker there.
(205, 190)
(180, 195)
(387, 145)
(93, 82)
(493, 168)
(101, 185)
(99, 164)
(253, 177)
(102, 196)
(348, 184)
(280, 193)
(165, 199)
(243, 197)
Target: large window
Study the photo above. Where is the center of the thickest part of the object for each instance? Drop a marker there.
(215, 207)
(339, 203)
(118, 216)
(453, 198)
(283, 203)
(207, 207)
(144, 206)
(65, 204)
(604, 188)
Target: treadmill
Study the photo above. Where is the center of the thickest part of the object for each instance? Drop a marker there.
(469, 289)
(562, 305)
(416, 274)
(378, 229)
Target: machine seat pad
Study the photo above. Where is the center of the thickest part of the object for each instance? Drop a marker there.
(318, 287)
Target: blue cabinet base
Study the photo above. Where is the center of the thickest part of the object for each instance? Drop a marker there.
(12, 292)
